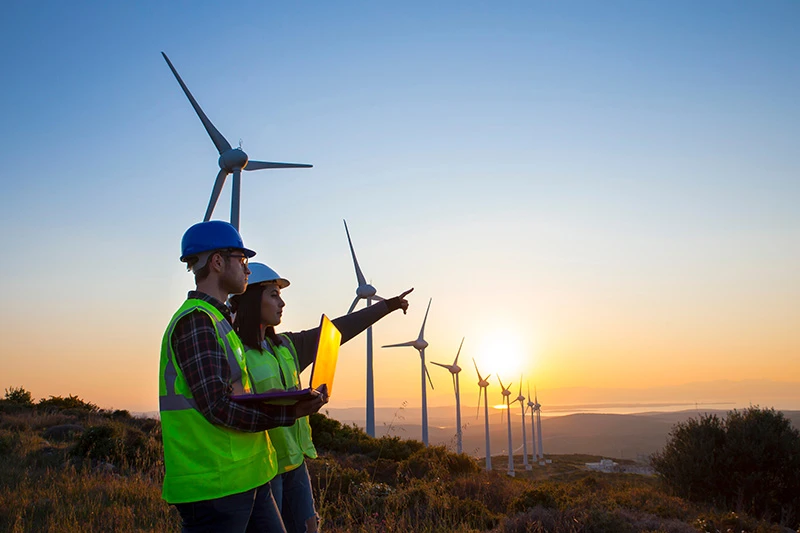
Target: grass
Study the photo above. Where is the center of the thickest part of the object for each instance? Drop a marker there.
(75, 469)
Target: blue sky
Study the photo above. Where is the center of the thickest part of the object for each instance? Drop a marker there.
(614, 185)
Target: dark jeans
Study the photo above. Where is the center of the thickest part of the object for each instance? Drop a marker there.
(292, 493)
(247, 512)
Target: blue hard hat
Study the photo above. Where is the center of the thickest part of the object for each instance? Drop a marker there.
(209, 236)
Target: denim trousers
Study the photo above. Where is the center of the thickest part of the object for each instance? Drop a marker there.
(246, 512)
(292, 492)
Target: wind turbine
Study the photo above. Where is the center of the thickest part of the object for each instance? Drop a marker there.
(367, 292)
(521, 400)
(533, 426)
(454, 370)
(483, 384)
(420, 344)
(507, 396)
(231, 160)
(537, 407)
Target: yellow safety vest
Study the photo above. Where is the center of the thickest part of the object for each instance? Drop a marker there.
(202, 460)
(276, 369)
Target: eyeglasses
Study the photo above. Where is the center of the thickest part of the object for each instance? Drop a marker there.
(243, 259)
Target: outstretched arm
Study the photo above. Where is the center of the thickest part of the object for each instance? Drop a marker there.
(305, 342)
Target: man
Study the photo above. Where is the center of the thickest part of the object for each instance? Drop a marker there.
(217, 455)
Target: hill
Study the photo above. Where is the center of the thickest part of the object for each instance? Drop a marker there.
(71, 466)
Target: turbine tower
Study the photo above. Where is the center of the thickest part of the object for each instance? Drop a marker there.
(521, 400)
(420, 344)
(483, 384)
(454, 370)
(507, 396)
(537, 407)
(367, 292)
(231, 160)
(534, 457)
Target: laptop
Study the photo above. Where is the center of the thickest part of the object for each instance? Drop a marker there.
(322, 370)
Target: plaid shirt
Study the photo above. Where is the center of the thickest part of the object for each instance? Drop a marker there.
(205, 367)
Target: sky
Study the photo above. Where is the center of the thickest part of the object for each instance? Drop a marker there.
(597, 195)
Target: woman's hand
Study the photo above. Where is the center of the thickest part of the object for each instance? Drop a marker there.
(399, 302)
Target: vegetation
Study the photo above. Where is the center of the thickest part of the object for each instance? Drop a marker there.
(66, 465)
(749, 462)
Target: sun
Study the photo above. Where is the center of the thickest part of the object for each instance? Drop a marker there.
(502, 354)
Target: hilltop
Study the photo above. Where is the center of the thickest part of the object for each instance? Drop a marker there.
(69, 465)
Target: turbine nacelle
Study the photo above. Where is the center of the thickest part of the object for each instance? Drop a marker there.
(521, 398)
(233, 159)
(366, 291)
(483, 383)
(420, 344)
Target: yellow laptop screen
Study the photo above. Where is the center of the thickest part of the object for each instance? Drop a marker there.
(330, 339)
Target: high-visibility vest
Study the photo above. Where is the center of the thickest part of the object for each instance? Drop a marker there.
(276, 369)
(202, 460)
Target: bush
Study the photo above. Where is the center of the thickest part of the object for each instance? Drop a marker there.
(19, 396)
(120, 445)
(750, 462)
(70, 402)
(531, 498)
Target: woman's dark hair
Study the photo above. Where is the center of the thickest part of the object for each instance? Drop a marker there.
(247, 323)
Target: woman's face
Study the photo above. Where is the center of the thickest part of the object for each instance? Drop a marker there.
(271, 305)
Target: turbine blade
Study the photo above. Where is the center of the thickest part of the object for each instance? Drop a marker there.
(487, 378)
(359, 275)
(454, 383)
(520, 386)
(215, 192)
(501, 383)
(476, 369)
(260, 165)
(459, 351)
(409, 343)
(478, 412)
(353, 306)
(529, 390)
(376, 297)
(236, 197)
(422, 329)
(428, 374)
(217, 138)
(440, 364)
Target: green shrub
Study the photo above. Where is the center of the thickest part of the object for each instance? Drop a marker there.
(749, 462)
(120, 445)
(70, 402)
(10, 442)
(19, 396)
(530, 498)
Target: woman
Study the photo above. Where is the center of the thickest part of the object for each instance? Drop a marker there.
(275, 362)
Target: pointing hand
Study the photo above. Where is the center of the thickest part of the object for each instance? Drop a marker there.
(399, 302)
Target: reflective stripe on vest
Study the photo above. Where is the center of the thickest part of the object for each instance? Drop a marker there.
(202, 460)
(294, 442)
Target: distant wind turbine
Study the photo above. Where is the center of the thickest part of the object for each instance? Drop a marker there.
(367, 292)
(231, 160)
(420, 344)
(483, 384)
(454, 370)
(507, 396)
(537, 407)
(533, 426)
(521, 400)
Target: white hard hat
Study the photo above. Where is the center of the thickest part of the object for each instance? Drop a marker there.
(261, 273)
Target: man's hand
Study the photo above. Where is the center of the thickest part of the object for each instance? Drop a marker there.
(312, 405)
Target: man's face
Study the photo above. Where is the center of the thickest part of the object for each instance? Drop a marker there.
(235, 272)
(271, 305)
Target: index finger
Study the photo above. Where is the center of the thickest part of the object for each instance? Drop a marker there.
(407, 292)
